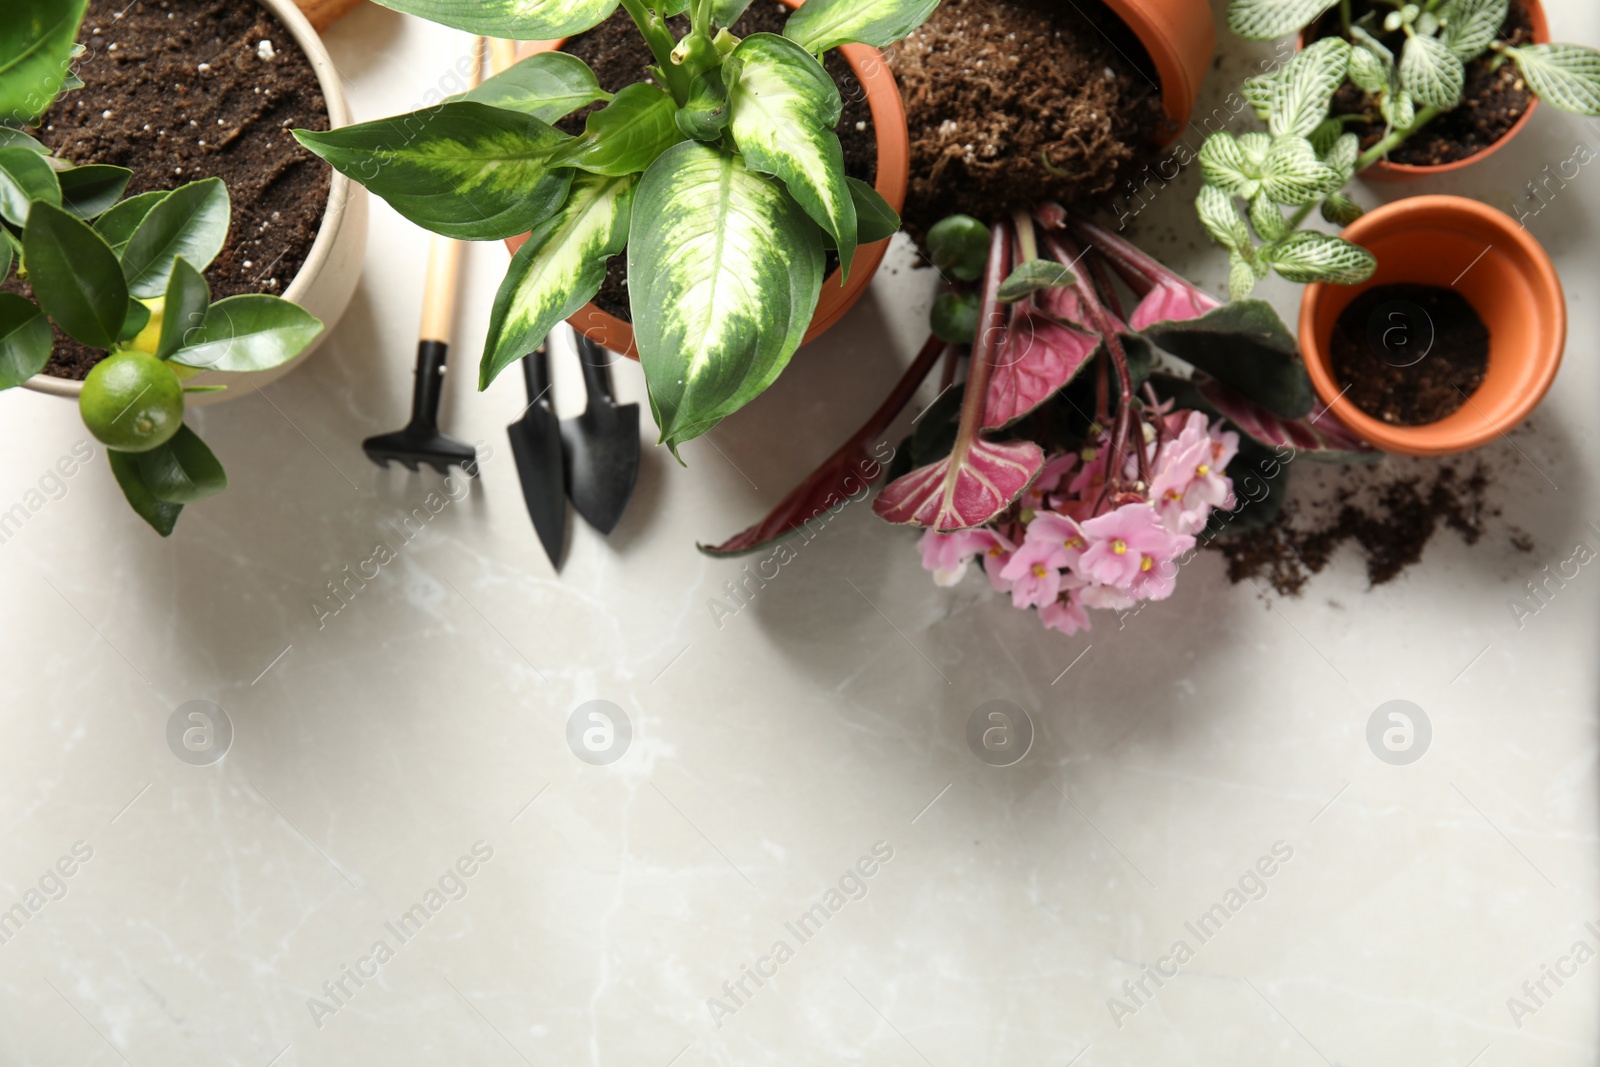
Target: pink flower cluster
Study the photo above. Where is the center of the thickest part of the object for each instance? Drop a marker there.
(1072, 545)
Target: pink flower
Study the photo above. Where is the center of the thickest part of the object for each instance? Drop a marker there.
(1063, 534)
(1126, 543)
(995, 558)
(1034, 573)
(946, 555)
(1049, 479)
(1064, 614)
(1105, 598)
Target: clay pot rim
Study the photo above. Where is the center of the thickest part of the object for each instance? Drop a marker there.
(1420, 212)
(1166, 36)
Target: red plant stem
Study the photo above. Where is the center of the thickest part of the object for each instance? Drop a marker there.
(1159, 422)
(1102, 395)
(1103, 283)
(903, 390)
(985, 343)
(1140, 271)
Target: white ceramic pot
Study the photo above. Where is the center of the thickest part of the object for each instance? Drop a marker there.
(328, 278)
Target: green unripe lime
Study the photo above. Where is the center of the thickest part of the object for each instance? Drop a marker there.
(132, 402)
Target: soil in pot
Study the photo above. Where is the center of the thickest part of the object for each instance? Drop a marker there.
(179, 90)
(618, 55)
(1012, 102)
(1492, 101)
(1408, 354)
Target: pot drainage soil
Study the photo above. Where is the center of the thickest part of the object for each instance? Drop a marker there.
(1492, 101)
(1409, 354)
(1012, 102)
(179, 90)
(618, 55)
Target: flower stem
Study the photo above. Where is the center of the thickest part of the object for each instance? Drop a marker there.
(991, 325)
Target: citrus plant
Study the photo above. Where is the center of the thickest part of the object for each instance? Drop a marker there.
(720, 175)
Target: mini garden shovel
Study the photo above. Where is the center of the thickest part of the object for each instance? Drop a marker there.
(602, 445)
(536, 444)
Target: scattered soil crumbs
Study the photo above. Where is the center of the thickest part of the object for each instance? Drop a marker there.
(619, 57)
(1389, 522)
(1410, 354)
(179, 90)
(1016, 101)
(1492, 100)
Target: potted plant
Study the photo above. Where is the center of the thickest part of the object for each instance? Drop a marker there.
(123, 277)
(1430, 87)
(721, 175)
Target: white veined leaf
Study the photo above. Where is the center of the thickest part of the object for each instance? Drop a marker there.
(558, 270)
(783, 108)
(1255, 145)
(1268, 219)
(1241, 278)
(1430, 73)
(1367, 71)
(1399, 110)
(1257, 91)
(549, 86)
(1325, 136)
(1220, 216)
(1567, 75)
(823, 24)
(516, 20)
(1342, 157)
(1302, 92)
(1293, 174)
(1265, 20)
(1224, 165)
(724, 271)
(1341, 210)
(1470, 26)
(1309, 256)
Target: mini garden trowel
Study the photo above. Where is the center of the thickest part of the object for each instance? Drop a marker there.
(602, 445)
(536, 444)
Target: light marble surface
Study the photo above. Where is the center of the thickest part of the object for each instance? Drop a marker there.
(771, 753)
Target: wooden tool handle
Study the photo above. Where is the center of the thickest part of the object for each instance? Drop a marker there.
(444, 255)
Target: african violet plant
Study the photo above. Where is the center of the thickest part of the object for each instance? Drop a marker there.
(1087, 452)
(122, 276)
(720, 175)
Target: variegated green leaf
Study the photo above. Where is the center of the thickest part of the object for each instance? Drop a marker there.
(1367, 71)
(625, 136)
(1241, 278)
(1224, 164)
(823, 24)
(1220, 216)
(727, 12)
(784, 107)
(1342, 157)
(517, 20)
(1255, 145)
(724, 271)
(1325, 136)
(1470, 26)
(1309, 256)
(1265, 20)
(1431, 74)
(1567, 75)
(1268, 219)
(549, 86)
(1399, 110)
(1341, 210)
(1293, 174)
(1035, 276)
(1303, 90)
(464, 170)
(558, 270)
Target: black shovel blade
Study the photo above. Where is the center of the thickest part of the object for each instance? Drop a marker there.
(602, 447)
(536, 444)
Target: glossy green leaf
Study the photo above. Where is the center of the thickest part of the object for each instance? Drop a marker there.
(248, 333)
(724, 270)
(184, 310)
(1309, 256)
(24, 178)
(959, 246)
(1431, 73)
(8, 253)
(517, 20)
(37, 42)
(191, 221)
(727, 12)
(784, 109)
(75, 275)
(625, 136)
(705, 114)
(549, 86)
(1304, 88)
(875, 219)
(1266, 20)
(161, 515)
(1470, 26)
(118, 224)
(25, 340)
(1566, 75)
(1245, 345)
(823, 24)
(954, 317)
(10, 137)
(89, 192)
(134, 322)
(181, 471)
(1035, 276)
(464, 170)
(558, 270)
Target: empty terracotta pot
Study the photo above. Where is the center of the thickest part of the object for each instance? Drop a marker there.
(1502, 272)
(1181, 39)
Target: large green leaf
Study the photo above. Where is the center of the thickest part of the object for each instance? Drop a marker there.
(248, 333)
(14, 138)
(558, 270)
(1566, 75)
(25, 340)
(161, 515)
(727, 12)
(90, 191)
(118, 224)
(37, 41)
(875, 219)
(784, 109)
(181, 471)
(1245, 345)
(626, 135)
(517, 20)
(75, 275)
(191, 221)
(1265, 20)
(183, 311)
(823, 24)
(724, 270)
(24, 178)
(464, 170)
(549, 86)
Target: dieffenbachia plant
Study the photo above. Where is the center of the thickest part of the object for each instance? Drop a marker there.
(122, 276)
(720, 175)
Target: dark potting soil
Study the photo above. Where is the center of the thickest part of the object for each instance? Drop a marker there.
(1012, 102)
(1492, 100)
(178, 90)
(619, 56)
(1382, 328)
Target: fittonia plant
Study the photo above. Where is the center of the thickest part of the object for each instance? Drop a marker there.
(122, 276)
(720, 175)
(1306, 159)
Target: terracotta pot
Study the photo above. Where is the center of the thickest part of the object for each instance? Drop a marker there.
(327, 280)
(1181, 39)
(324, 13)
(1386, 172)
(1502, 272)
(894, 169)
